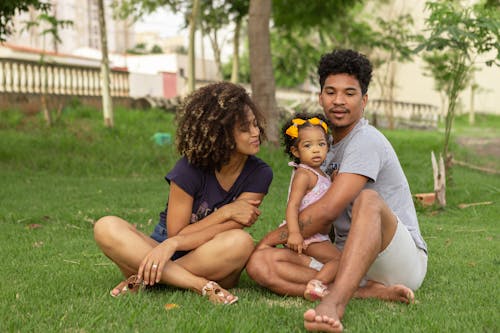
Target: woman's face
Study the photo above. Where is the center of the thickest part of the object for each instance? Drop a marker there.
(247, 135)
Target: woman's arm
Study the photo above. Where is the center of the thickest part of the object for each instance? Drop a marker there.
(244, 210)
(189, 241)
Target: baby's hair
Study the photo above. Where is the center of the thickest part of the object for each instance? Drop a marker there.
(206, 121)
(289, 141)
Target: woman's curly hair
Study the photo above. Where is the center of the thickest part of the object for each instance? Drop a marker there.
(206, 120)
(346, 62)
(289, 142)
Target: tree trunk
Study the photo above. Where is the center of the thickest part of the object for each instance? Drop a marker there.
(107, 104)
(392, 84)
(191, 50)
(235, 73)
(217, 53)
(439, 173)
(43, 96)
(261, 68)
(472, 110)
(202, 50)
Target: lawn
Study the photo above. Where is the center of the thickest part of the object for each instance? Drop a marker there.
(56, 182)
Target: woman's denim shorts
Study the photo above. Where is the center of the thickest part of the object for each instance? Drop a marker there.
(160, 234)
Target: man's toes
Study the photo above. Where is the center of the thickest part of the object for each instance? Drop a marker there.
(310, 315)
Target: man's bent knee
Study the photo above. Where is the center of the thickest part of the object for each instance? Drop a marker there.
(257, 266)
(368, 201)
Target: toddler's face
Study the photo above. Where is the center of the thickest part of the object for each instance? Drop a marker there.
(312, 146)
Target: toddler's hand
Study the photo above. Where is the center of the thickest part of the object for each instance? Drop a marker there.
(295, 242)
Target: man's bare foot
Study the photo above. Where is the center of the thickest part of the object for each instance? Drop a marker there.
(322, 323)
(394, 293)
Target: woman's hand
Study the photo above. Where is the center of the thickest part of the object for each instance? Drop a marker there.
(295, 242)
(152, 265)
(243, 211)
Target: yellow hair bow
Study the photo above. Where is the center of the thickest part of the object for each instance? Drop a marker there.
(293, 130)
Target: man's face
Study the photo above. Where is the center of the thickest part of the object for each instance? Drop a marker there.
(342, 102)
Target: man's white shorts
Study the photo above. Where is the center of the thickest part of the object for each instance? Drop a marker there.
(401, 262)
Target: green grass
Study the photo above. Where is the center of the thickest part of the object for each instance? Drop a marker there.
(56, 182)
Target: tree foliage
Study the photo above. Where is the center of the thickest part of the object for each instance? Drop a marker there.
(10, 8)
(457, 36)
(303, 30)
(50, 26)
(136, 9)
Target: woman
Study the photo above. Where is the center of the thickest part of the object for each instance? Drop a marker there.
(215, 191)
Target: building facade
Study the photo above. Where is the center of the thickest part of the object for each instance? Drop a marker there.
(84, 32)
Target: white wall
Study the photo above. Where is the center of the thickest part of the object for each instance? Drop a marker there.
(413, 86)
(145, 84)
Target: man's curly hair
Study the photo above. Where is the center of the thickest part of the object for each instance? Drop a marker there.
(345, 62)
(206, 120)
(289, 142)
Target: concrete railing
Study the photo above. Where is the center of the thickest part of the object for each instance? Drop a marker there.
(404, 114)
(32, 77)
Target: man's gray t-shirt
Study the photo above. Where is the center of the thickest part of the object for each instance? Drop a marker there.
(366, 151)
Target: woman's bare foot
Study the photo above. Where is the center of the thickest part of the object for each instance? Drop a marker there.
(131, 285)
(315, 321)
(116, 291)
(394, 293)
(218, 295)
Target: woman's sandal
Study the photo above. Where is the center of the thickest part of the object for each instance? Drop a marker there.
(131, 285)
(315, 290)
(218, 295)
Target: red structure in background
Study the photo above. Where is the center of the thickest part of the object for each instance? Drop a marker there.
(169, 84)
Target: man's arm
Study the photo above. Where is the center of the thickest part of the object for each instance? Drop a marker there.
(320, 215)
(273, 238)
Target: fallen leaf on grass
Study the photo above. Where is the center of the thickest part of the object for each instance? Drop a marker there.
(89, 220)
(34, 226)
(170, 306)
(71, 261)
(37, 244)
(466, 205)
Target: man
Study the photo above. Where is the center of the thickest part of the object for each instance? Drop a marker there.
(380, 250)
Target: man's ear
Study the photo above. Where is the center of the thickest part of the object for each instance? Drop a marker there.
(365, 100)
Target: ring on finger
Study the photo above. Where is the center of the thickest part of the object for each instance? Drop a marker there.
(154, 266)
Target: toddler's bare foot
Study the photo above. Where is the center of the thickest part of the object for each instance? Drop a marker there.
(315, 290)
